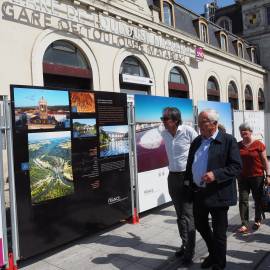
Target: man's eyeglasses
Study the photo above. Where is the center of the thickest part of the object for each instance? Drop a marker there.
(200, 123)
(163, 119)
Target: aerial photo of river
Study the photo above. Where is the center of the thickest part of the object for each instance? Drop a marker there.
(50, 165)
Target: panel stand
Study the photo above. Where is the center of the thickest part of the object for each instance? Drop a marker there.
(133, 163)
(14, 256)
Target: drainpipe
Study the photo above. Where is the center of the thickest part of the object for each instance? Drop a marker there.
(242, 92)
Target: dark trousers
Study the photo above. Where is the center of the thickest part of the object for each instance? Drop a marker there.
(184, 212)
(215, 237)
(245, 185)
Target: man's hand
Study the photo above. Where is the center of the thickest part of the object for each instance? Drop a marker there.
(209, 177)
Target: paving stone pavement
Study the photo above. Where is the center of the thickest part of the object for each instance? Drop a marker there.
(151, 245)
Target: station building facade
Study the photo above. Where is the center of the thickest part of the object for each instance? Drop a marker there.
(147, 47)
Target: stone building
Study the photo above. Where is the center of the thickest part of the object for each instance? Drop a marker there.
(251, 21)
(149, 47)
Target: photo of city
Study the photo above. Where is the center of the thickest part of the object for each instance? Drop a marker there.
(151, 153)
(41, 109)
(50, 165)
(82, 102)
(84, 128)
(113, 140)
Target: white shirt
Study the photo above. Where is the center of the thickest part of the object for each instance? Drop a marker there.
(177, 147)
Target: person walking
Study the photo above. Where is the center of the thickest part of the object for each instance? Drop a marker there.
(177, 138)
(213, 163)
(255, 165)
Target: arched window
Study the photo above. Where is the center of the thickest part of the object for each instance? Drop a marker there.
(213, 90)
(224, 42)
(204, 32)
(253, 55)
(133, 66)
(248, 98)
(178, 86)
(167, 14)
(240, 50)
(261, 100)
(134, 77)
(225, 23)
(64, 65)
(233, 95)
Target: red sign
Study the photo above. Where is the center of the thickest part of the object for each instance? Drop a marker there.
(199, 53)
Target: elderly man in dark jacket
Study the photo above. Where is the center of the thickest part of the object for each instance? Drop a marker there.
(212, 166)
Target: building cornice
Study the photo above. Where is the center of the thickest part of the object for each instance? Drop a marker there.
(168, 32)
(195, 41)
(211, 50)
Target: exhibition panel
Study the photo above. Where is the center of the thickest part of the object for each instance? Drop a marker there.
(224, 111)
(151, 154)
(255, 119)
(71, 161)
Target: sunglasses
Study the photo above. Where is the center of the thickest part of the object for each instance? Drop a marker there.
(164, 119)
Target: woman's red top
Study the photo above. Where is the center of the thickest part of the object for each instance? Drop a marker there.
(251, 158)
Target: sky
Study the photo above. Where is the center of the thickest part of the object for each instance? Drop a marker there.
(33, 137)
(149, 108)
(86, 121)
(198, 5)
(120, 128)
(25, 97)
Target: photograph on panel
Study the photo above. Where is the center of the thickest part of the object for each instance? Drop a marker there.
(82, 102)
(84, 128)
(151, 153)
(113, 140)
(37, 109)
(50, 165)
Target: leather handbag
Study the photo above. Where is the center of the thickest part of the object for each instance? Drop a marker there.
(266, 199)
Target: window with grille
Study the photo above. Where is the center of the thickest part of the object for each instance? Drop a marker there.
(233, 95)
(261, 100)
(132, 66)
(167, 13)
(213, 90)
(248, 98)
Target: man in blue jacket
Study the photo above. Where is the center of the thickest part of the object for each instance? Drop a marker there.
(212, 166)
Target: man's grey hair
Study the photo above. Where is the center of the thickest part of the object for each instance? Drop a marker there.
(213, 115)
(245, 126)
(174, 114)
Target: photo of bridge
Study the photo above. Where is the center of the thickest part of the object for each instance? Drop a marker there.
(84, 128)
(113, 140)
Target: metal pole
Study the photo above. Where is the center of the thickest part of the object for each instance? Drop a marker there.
(11, 177)
(131, 159)
(2, 194)
(195, 116)
(133, 124)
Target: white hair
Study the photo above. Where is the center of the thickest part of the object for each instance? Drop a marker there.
(212, 115)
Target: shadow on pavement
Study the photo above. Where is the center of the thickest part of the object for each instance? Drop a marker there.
(125, 261)
(245, 259)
